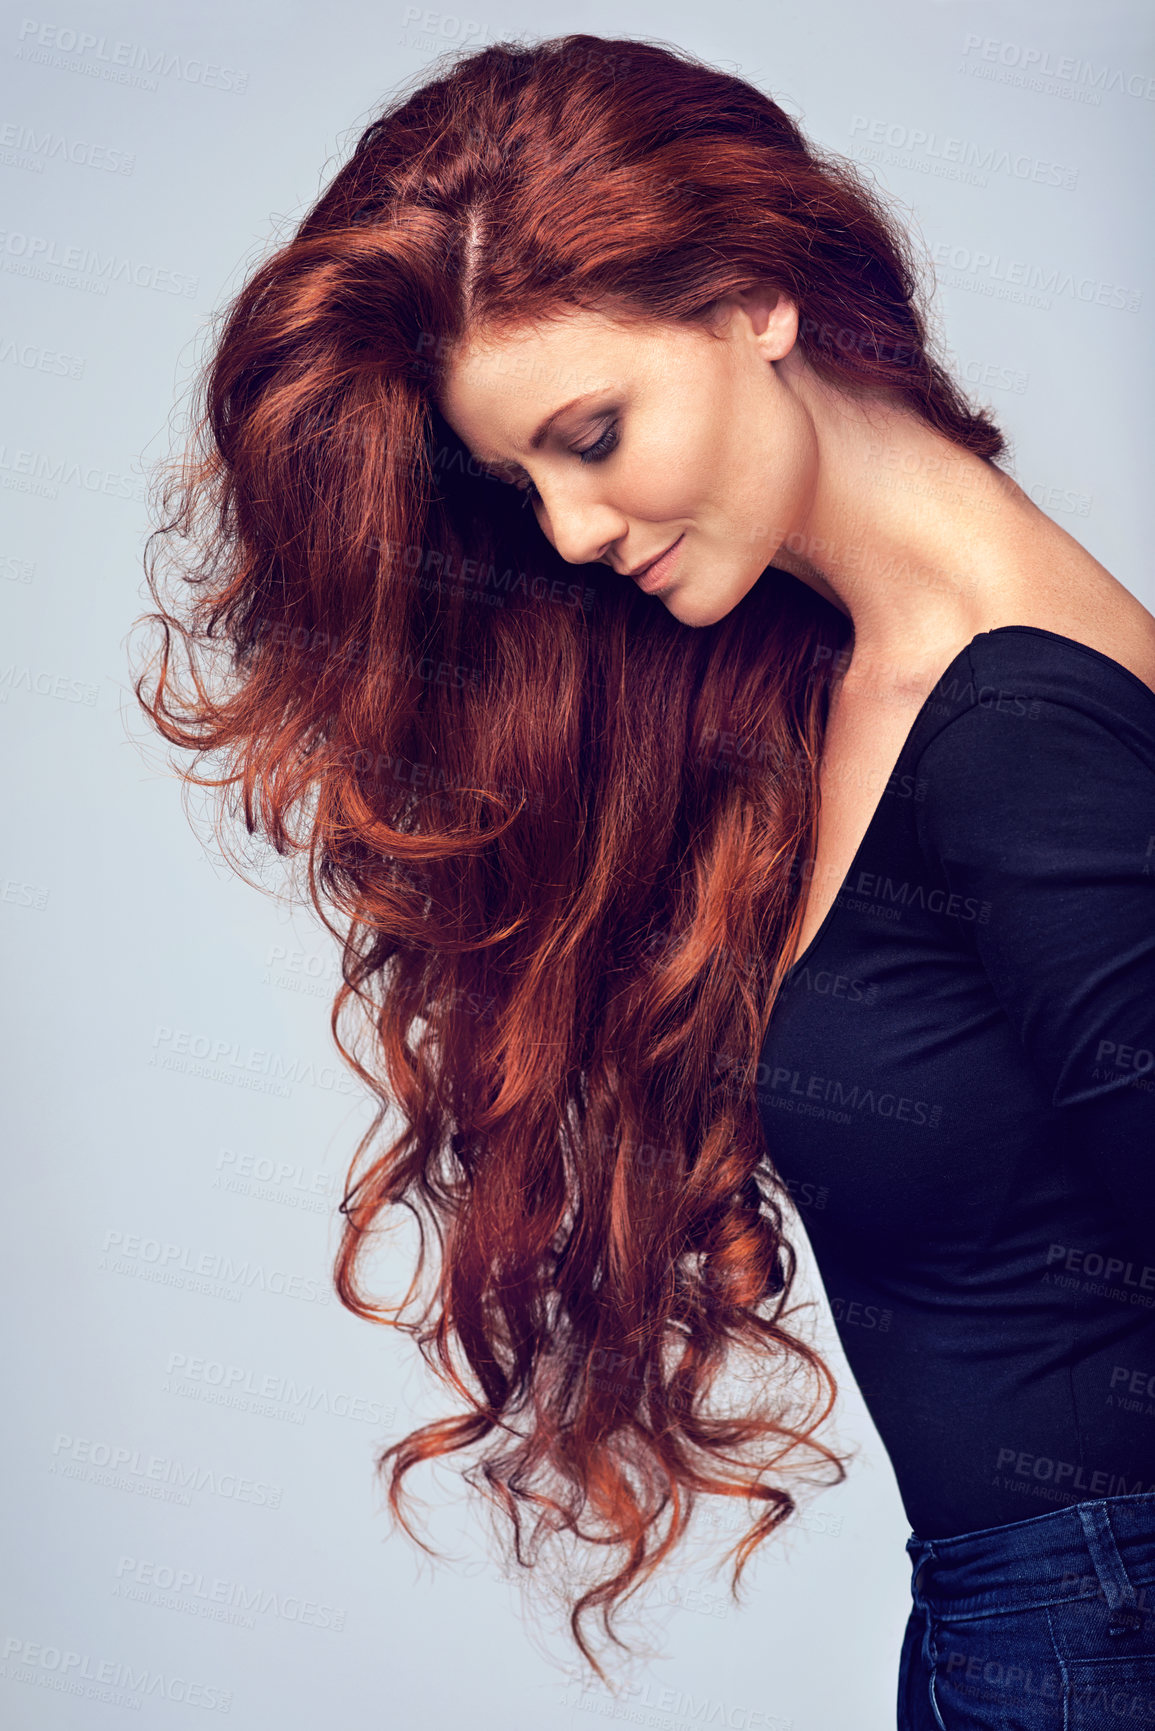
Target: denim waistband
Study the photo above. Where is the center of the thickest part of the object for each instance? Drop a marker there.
(1103, 1547)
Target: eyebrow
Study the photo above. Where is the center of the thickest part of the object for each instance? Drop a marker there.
(539, 436)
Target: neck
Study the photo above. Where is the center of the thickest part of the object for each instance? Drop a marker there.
(920, 542)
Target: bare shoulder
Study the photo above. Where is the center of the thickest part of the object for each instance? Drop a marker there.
(1103, 616)
(1134, 646)
(1130, 642)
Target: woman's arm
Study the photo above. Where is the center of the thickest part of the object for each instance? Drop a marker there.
(1049, 816)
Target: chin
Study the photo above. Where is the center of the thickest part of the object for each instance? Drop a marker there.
(692, 605)
(695, 610)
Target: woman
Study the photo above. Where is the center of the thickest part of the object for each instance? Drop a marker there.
(836, 905)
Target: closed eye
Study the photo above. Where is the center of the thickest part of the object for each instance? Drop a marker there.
(601, 448)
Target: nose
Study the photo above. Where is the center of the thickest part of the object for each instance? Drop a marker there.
(582, 532)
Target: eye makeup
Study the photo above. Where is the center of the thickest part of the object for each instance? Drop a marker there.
(606, 442)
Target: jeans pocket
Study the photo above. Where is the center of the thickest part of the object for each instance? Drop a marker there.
(999, 1673)
(1104, 1693)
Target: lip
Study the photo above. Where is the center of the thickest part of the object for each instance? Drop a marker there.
(654, 576)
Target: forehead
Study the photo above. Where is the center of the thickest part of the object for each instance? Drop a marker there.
(500, 383)
(571, 352)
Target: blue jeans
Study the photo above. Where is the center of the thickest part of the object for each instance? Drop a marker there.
(1046, 1624)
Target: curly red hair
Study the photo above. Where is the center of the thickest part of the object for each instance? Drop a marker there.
(565, 835)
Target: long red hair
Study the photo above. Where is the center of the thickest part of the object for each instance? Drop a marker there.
(562, 837)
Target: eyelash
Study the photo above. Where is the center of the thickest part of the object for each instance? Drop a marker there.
(601, 448)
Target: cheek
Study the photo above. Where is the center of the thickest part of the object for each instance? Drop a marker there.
(766, 469)
(670, 472)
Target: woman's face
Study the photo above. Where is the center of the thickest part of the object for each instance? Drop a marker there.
(680, 440)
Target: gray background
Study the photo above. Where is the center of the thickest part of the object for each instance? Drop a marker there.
(187, 1478)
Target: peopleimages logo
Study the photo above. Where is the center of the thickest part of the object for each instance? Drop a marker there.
(908, 145)
(178, 1587)
(853, 1095)
(25, 147)
(873, 892)
(213, 1272)
(1015, 279)
(44, 257)
(669, 1706)
(1032, 66)
(35, 359)
(782, 1086)
(114, 1681)
(223, 1060)
(1017, 1463)
(235, 1383)
(1097, 1266)
(42, 474)
(120, 62)
(163, 1478)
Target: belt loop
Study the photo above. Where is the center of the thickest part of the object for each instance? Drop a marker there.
(921, 1553)
(1113, 1578)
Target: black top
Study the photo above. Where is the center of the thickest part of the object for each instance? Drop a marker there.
(958, 1087)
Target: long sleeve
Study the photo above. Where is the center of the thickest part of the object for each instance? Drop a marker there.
(1045, 814)
(968, 1125)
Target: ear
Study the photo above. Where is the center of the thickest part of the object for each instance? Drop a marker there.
(773, 317)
